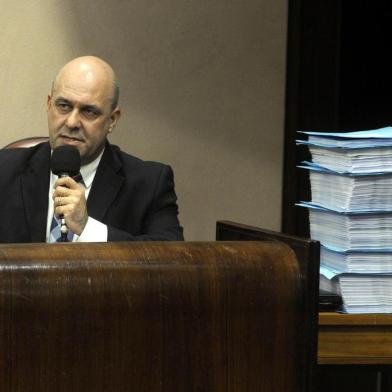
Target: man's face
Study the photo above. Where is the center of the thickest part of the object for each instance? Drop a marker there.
(80, 114)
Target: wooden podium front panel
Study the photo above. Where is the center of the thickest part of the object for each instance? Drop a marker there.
(152, 317)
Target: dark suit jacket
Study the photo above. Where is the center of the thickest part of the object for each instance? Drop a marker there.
(134, 198)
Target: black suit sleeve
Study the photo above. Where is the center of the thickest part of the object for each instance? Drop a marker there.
(161, 220)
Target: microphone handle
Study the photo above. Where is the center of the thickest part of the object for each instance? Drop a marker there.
(63, 230)
(63, 225)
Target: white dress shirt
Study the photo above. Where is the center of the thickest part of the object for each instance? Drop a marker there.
(94, 231)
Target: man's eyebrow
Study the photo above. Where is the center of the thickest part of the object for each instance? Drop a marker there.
(62, 99)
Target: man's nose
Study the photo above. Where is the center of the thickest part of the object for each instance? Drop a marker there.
(73, 119)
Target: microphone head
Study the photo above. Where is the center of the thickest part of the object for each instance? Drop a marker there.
(65, 160)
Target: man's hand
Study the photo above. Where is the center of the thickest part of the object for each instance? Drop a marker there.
(70, 202)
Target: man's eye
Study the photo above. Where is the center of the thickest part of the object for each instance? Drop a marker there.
(90, 113)
(63, 107)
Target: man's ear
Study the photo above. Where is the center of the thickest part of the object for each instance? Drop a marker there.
(48, 101)
(114, 117)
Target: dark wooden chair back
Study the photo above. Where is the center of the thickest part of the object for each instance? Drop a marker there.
(308, 255)
(27, 142)
(149, 317)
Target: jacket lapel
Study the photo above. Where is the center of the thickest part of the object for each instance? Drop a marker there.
(35, 188)
(106, 185)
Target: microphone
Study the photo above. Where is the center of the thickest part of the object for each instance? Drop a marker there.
(65, 162)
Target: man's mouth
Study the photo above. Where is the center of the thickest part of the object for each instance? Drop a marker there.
(70, 139)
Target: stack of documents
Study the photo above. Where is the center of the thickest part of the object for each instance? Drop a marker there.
(350, 231)
(381, 137)
(363, 161)
(348, 192)
(350, 213)
(361, 292)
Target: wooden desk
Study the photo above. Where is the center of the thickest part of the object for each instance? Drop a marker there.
(353, 339)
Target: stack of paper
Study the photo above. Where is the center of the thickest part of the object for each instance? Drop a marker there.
(361, 292)
(350, 231)
(348, 192)
(344, 261)
(350, 213)
(363, 160)
(381, 137)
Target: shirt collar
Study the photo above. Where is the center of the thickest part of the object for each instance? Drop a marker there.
(88, 171)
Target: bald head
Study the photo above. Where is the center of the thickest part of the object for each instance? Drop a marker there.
(95, 72)
(82, 107)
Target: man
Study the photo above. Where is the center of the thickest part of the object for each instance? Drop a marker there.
(121, 198)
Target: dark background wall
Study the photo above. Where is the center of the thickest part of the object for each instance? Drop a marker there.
(338, 79)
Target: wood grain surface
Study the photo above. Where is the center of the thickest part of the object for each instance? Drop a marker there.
(204, 316)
